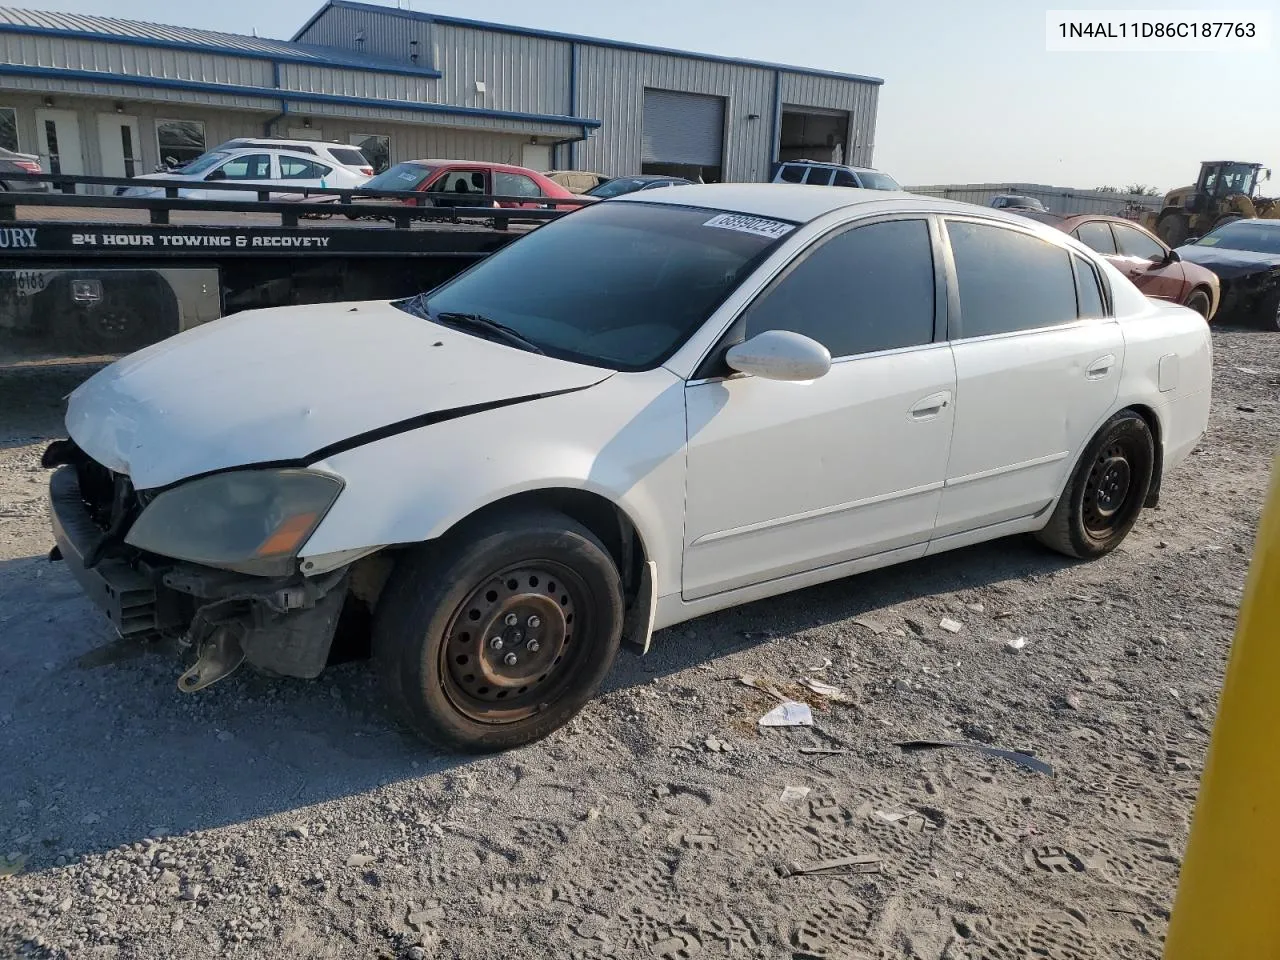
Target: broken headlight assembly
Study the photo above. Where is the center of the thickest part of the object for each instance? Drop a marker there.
(247, 521)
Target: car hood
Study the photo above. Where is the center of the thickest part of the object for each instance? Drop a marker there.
(1228, 263)
(284, 384)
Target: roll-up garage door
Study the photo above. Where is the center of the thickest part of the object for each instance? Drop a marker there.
(683, 128)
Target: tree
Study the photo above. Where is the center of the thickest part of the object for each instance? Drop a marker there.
(1139, 188)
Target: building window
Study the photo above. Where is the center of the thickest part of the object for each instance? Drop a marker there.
(9, 129)
(179, 141)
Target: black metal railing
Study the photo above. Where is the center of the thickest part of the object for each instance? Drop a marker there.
(397, 206)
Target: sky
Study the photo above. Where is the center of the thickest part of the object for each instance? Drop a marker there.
(970, 93)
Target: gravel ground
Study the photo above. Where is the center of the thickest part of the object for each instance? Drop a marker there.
(291, 819)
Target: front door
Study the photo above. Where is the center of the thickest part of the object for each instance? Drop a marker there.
(787, 477)
(118, 145)
(58, 137)
(1037, 367)
(536, 156)
(1142, 259)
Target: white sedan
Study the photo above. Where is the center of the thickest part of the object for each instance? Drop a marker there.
(254, 168)
(653, 408)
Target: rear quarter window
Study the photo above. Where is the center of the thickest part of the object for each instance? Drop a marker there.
(349, 157)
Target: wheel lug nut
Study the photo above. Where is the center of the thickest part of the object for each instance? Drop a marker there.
(510, 659)
(511, 620)
(534, 623)
(496, 643)
(532, 646)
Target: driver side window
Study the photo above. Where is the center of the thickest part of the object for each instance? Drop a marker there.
(866, 289)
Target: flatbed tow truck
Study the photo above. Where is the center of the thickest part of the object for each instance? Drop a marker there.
(84, 274)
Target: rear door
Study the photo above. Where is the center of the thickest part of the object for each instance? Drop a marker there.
(250, 169)
(302, 172)
(460, 186)
(1038, 363)
(516, 185)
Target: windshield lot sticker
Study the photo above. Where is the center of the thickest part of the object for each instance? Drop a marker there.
(744, 224)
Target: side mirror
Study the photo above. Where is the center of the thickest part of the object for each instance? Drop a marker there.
(1266, 174)
(1163, 260)
(780, 355)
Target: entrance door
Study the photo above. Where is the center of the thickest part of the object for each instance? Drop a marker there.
(58, 138)
(536, 156)
(118, 142)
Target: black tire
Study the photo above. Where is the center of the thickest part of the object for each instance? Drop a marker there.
(1173, 229)
(1268, 313)
(446, 602)
(1200, 302)
(1106, 491)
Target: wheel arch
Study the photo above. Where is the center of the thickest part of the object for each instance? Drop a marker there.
(1152, 419)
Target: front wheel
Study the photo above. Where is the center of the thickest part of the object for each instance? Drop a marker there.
(1106, 491)
(497, 635)
(1200, 302)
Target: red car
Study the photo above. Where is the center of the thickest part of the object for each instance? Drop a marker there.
(1141, 256)
(453, 183)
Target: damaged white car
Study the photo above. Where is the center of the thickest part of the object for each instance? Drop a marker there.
(653, 408)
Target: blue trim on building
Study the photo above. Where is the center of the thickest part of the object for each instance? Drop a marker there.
(573, 38)
(292, 96)
(320, 56)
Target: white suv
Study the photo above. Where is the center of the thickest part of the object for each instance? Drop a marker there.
(336, 153)
(833, 175)
(254, 166)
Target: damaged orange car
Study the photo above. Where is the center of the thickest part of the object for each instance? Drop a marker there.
(1153, 267)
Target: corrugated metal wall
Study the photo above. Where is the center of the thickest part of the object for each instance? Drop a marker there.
(526, 128)
(859, 100)
(1063, 200)
(611, 84)
(385, 35)
(112, 58)
(526, 74)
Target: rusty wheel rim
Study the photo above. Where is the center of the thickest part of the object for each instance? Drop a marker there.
(515, 644)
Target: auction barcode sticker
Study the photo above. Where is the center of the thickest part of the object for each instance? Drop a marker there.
(1157, 31)
(760, 226)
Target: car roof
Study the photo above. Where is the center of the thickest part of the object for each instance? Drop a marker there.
(828, 163)
(280, 141)
(801, 203)
(474, 165)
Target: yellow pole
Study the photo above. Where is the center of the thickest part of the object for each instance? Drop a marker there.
(1228, 903)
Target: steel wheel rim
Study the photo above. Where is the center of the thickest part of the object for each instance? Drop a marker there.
(516, 643)
(1109, 492)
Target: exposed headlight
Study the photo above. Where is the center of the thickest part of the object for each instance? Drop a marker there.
(249, 521)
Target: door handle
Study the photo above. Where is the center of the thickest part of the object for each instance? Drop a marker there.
(1099, 369)
(930, 406)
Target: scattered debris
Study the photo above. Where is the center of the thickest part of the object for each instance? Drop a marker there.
(429, 912)
(1245, 408)
(975, 607)
(822, 751)
(359, 860)
(1249, 370)
(1016, 644)
(867, 623)
(1084, 598)
(902, 686)
(793, 793)
(951, 626)
(788, 714)
(826, 665)
(1073, 701)
(916, 626)
(826, 690)
(1002, 614)
(716, 745)
(892, 816)
(1018, 757)
(865, 863)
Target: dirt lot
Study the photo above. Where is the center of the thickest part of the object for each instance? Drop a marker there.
(291, 819)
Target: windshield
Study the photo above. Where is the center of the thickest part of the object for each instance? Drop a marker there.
(205, 162)
(403, 176)
(1231, 178)
(619, 285)
(1244, 235)
(621, 185)
(877, 181)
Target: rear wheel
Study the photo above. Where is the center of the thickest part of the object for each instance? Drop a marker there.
(1173, 229)
(500, 633)
(1269, 312)
(1106, 491)
(1200, 302)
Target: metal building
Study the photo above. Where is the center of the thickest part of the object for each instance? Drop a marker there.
(1067, 201)
(99, 95)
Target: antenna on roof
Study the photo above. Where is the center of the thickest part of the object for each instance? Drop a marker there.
(255, 32)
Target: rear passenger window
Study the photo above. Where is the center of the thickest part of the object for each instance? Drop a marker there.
(1009, 281)
(845, 179)
(867, 289)
(1096, 235)
(792, 174)
(1089, 289)
(819, 176)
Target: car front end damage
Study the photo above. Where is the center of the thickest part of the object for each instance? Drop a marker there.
(224, 604)
(1246, 295)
